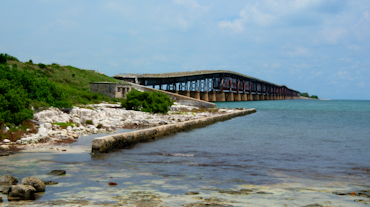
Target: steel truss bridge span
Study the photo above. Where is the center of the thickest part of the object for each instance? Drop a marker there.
(214, 83)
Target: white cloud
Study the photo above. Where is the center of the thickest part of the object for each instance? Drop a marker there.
(237, 25)
(249, 14)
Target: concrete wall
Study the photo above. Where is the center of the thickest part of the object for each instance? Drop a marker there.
(113, 90)
(182, 99)
(124, 140)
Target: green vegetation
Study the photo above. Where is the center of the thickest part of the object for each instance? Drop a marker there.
(89, 122)
(27, 85)
(5, 57)
(65, 125)
(16, 132)
(308, 96)
(148, 102)
(41, 65)
(74, 82)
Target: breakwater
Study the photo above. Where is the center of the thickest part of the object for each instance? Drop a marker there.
(120, 141)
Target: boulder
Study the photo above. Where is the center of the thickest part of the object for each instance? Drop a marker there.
(38, 184)
(21, 192)
(8, 180)
(4, 147)
(6, 141)
(47, 125)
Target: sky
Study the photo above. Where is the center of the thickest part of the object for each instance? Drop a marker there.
(318, 46)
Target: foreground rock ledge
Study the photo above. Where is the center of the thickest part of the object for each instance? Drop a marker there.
(120, 141)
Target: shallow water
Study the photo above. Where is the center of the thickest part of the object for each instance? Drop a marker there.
(298, 150)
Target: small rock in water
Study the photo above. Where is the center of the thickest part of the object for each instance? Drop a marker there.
(50, 182)
(340, 193)
(362, 201)
(192, 193)
(8, 179)
(57, 172)
(262, 192)
(38, 184)
(4, 154)
(314, 205)
(112, 183)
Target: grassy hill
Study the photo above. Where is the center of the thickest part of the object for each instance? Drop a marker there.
(24, 86)
(74, 81)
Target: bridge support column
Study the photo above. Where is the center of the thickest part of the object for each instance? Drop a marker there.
(220, 96)
(204, 96)
(229, 96)
(195, 94)
(250, 97)
(267, 97)
(212, 96)
(256, 97)
(185, 93)
(244, 97)
(262, 97)
(237, 96)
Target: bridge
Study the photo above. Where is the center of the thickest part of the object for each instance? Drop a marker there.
(213, 85)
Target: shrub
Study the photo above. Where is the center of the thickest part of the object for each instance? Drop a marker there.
(315, 96)
(4, 57)
(95, 96)
(305, 94)
(41, 65)
(30, 61)
(14, 103)
(73, 75)
(89, 122)
(148, 102)
(99, 126)
(19, 88)
(64, 125)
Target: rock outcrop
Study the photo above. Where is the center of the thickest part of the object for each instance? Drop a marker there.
(8, 180)
(21, 192)
(38, 184)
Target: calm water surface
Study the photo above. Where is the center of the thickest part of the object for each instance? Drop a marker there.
(285, 147)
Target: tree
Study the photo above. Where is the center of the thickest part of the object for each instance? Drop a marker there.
(305, 94)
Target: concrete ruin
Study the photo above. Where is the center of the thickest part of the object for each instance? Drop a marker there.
(113, 90)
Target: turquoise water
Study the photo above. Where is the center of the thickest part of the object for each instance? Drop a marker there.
(299, 150)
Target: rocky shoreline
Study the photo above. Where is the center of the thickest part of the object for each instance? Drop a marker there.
(99, 118)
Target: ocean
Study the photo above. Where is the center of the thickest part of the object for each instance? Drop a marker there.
(289, 153)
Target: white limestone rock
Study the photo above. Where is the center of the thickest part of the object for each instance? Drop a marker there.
(6, 141)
